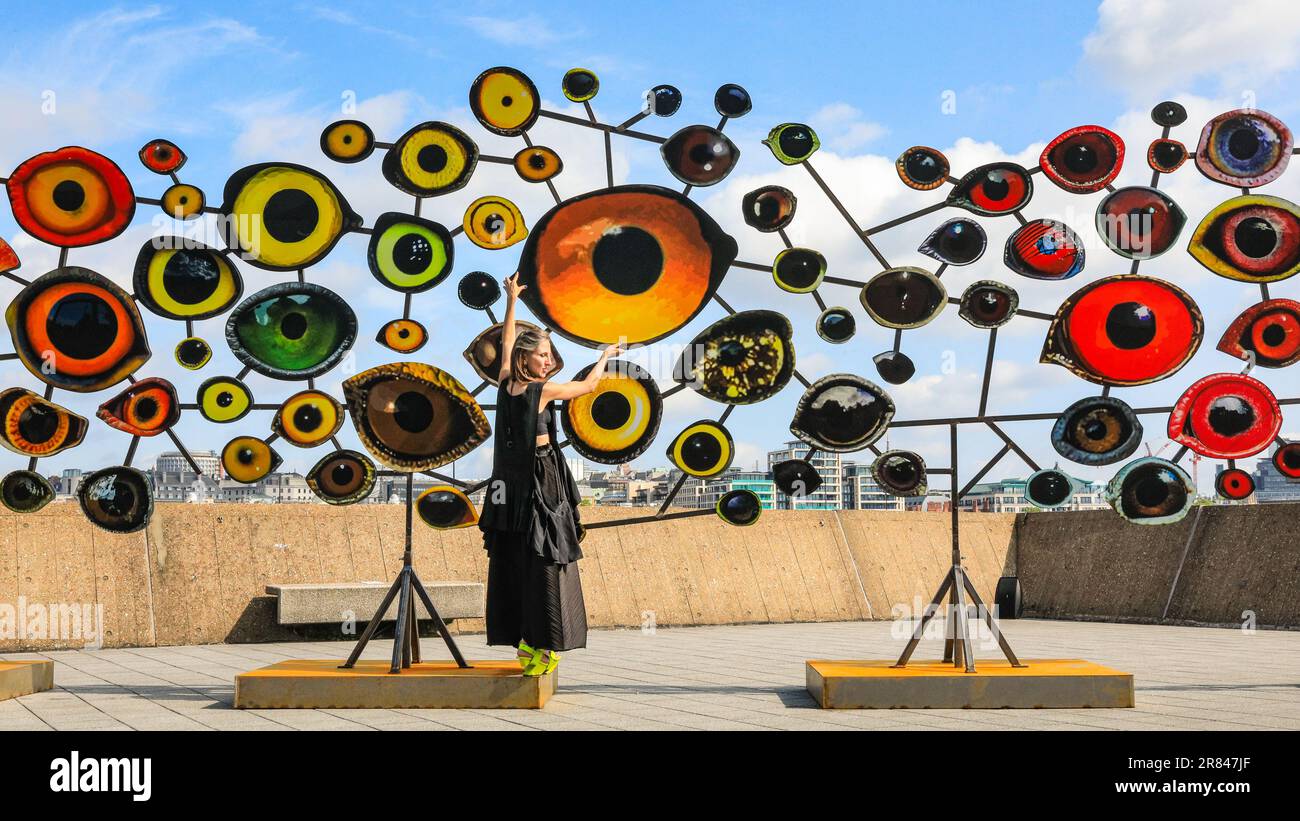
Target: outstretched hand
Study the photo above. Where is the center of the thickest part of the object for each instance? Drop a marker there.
(513, 288)
(614, 350)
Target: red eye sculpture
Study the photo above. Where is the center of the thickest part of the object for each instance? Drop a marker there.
(1287, 460)
(1235, 484)
(162, 157)
(1044, 249)
(1139, 223)
(1269, 331)
(1083, 159)
(993, 190)
(1166, 155)
(147, 408)
(1226, 416)
(1252, 238)
(1125, 330)
(71, 197)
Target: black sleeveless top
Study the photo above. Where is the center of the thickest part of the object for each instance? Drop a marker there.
(507, 499)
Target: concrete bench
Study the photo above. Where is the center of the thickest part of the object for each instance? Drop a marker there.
(332, 603)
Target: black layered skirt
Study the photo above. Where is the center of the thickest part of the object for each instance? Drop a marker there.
(534, 593)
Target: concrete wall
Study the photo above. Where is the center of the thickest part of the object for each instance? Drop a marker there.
(1210, 568)
(197, 574)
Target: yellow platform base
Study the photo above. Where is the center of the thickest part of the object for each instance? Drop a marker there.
(1060, 683)
(315, 683)
(22, 678)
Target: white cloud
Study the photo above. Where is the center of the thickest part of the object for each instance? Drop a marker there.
(842, 127)
(518, 30)
(1148, 46)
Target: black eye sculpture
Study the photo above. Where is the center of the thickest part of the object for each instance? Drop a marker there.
(796, 477)
(25, 491)
(922, 168)
(904, 297)
(700, 155)
(987, 304)
(1048, 488)
(118, 499)
(443, 507)
(739, 507)
(900, 473)
(741, 359)
(1151, 491)
(478, 290)
(836, 325)
(842, 413)
(769, 208)
(959, 241)
(703, 449)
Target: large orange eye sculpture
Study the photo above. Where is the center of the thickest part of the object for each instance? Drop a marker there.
(484, 353)
(505, 101)
(118, 499)
(1267, 333)
(842, 413)
(431, 159)
(308, 418)
(1138, 222)
(1044, 249)
(180, 279)
(147, 408)
(342, 478)
(1244, 148)
(740, 359)
(1226, 416)
(291, 330)
(1151, 491)
(37, 427)
(413, 417)
(700, 155)
(1253, 238)
(74, 329)
(1083, 159)
(631, 261)
(71, 197)
(617, 422)
(1124, 330)
(283, 217)
(904, 297)
(162, 156)
(443, 507)
(993, 190)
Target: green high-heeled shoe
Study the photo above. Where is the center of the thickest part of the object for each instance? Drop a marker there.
(527, 656)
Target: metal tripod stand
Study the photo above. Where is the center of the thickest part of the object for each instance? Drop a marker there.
(406, 635)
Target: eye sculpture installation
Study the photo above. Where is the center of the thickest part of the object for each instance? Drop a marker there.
(639, 262)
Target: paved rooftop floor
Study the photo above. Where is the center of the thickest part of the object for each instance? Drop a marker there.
(747, 677)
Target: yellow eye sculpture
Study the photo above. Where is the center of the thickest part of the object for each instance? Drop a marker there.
(74, 329)
(409, 254)
(493, 223)
(618, 421)
(431, 159)
(1252, 238)
(703, 449)
(247, 459)
(580, 84)
(37, 427)
(182, 201)
(180, 279)
(147, 408)
(224, 399)
(342, 478)
(193, 353)
(504, 101)
(283, 217)
(741, 359)
(792, 143)
(413, 417)
(537, 163)
(403, 336)
(347, 141)
(308, 418)
(443, 507)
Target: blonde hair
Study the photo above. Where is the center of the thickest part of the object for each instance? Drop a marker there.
(526, 343)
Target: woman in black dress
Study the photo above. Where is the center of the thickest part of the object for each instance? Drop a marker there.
(530, 507)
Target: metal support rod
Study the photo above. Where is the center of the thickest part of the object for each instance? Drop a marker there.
(988, 371)
(844, 212)
(681, 480)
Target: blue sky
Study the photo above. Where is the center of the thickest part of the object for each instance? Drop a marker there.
(253, 82)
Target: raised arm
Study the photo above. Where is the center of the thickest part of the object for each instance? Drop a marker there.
(513, 288)
(581, 387)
